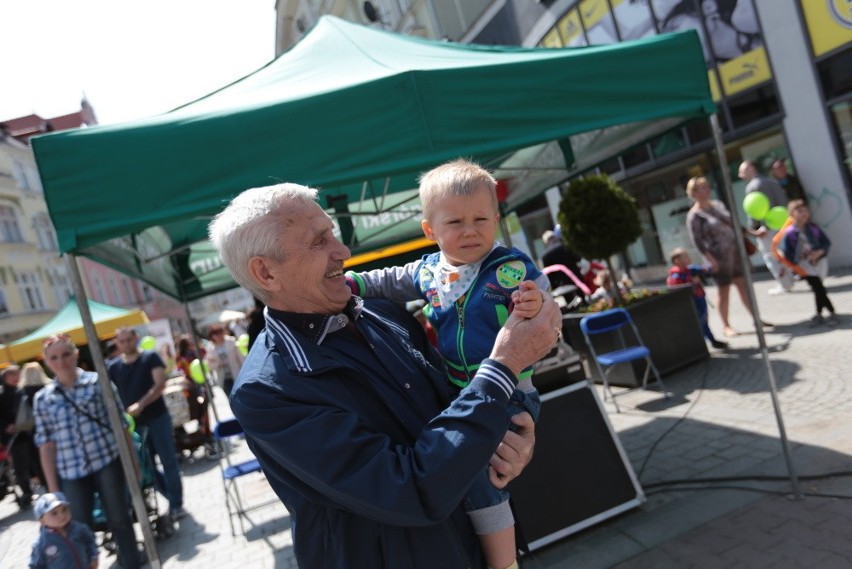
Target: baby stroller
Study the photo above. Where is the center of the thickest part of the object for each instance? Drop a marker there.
(160, 524)
(7, 476)
(187, 403)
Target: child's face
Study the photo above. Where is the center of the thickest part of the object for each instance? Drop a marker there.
(463, 226)
(56, 518)
(800, 214)
(682, 260)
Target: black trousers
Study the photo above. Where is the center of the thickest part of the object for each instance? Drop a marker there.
(820, 294)
(26, 463)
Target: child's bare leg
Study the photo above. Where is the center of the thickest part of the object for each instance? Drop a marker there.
(499, 548)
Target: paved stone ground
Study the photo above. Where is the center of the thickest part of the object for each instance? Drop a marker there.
(719, 422)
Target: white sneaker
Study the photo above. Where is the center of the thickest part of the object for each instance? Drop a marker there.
(777, 290)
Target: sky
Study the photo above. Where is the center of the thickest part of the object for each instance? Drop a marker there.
(130, 59)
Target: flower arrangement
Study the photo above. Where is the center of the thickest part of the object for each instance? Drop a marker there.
(627, 298)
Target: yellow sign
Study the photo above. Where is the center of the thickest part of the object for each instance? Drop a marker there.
(569, 27)
(714, 85)
(748, 70)
(829, 23)
(551, 39)
(593, 11)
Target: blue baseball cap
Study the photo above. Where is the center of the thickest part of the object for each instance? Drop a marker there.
(47, 502)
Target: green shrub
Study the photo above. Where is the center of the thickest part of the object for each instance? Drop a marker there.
(598, 218)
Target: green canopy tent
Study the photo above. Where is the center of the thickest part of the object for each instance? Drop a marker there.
(358, 113)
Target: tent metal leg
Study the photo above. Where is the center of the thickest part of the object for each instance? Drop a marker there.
(758, 323)
(125, 452)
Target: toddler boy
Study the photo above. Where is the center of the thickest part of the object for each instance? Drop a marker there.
(62, 543)
(682, 273)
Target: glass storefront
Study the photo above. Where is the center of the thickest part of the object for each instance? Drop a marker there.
(656, 172)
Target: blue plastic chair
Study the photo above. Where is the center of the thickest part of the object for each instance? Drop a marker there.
(233, 471)
(615, 322)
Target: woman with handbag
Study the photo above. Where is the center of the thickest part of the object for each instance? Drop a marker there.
(715, 235)
(79, 451)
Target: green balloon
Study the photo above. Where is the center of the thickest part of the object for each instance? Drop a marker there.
(756, 204)
(131, 422)
(196, 372)
(148, 343)
(242, 343)
(776, 217)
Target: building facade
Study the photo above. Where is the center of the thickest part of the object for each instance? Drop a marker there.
(34, 280)
(780, 73)
(34, 284)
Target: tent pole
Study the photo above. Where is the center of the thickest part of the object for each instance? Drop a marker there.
(129, 463)
(504, 225)
(758, 325)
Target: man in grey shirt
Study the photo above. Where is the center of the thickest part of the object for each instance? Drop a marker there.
(755, 182)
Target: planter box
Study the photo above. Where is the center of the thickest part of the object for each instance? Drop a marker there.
(669, 327)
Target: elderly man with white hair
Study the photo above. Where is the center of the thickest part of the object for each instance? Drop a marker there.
(346, 405)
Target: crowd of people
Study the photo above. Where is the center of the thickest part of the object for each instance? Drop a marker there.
(68, 452)
(366, 433)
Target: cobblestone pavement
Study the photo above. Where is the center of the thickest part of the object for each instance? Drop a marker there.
(718, 423)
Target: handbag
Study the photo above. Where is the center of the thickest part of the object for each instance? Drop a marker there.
(24, 420)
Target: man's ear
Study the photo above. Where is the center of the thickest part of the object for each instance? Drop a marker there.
(260, 273)
(427, 229)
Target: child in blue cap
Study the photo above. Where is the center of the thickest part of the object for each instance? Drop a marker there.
(62, 543)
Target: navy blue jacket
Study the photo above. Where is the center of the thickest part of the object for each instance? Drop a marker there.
(352, 438)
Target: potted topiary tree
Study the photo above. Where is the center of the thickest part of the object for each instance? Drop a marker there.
(599, 220)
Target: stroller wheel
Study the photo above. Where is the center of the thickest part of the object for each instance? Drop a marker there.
(212, 451)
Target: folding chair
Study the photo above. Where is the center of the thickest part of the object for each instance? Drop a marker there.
(232, 472)
(616, 321)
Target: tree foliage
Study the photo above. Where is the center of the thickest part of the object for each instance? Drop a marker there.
(598, 218)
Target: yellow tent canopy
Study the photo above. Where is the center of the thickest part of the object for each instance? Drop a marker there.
(68, 321)
(5, 358)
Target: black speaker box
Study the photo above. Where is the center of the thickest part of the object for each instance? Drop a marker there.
(579, 475)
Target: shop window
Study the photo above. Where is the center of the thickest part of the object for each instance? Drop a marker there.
(752, 106)
(841, 113)
(671, 141)
(635, 156)
(610, 166)
(698, 130)
(835, 74)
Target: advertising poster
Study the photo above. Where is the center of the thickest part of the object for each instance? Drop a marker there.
(829, 24)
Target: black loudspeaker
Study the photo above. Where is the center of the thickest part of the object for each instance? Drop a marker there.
(579, 475)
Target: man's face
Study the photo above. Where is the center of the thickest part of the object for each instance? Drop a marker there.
(779, 171)
(126, 342)
(746, 171)
(463, 226)
(310, 278)
(12, 376)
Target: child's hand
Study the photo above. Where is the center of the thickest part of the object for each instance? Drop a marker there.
(527, 300)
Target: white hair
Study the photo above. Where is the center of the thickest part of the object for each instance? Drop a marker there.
(247, 228)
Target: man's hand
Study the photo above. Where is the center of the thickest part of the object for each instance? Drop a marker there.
(514, 452)
(134, 410)
(523, 341)
(527, 300)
